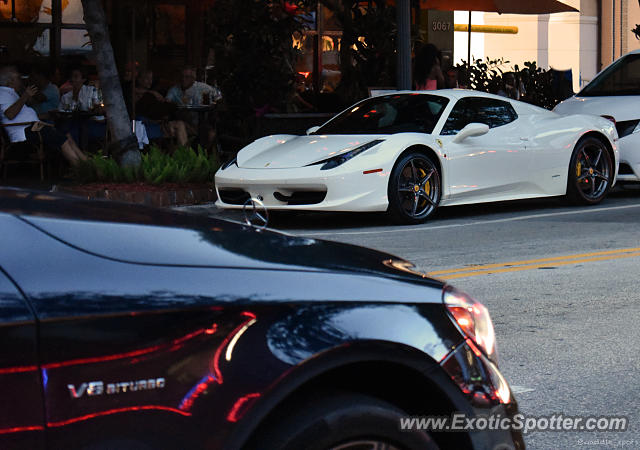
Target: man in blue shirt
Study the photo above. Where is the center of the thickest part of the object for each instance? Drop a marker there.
(48, 97)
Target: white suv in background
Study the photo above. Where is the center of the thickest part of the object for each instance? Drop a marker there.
(615, 93)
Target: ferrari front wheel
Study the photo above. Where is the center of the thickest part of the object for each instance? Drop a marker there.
(414, 188)
(590, 172)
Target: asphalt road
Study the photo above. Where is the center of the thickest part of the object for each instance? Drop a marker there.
(561, 283)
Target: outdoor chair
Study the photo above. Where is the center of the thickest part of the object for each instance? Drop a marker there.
(13, 153)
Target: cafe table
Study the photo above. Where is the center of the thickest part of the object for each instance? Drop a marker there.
(202, 112)
(81, 120)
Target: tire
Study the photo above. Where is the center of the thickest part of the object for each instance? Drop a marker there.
(590, 172)
(414, 190)
(341, 421)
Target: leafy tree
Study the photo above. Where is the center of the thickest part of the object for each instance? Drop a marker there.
(367, 47)
(254, 53)
(254, 61)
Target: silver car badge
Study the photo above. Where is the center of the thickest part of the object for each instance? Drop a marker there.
(255, 214)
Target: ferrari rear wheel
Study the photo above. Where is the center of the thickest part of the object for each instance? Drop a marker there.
(414, 188)
(590, 172)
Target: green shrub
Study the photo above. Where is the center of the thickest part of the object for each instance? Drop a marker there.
(540, 89)
(185, 165)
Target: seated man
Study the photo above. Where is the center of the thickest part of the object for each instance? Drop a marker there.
(191, 93)
(13, 111)
(154, 111)
(48, 96)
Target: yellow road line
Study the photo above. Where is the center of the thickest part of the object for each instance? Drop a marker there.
(486, 269)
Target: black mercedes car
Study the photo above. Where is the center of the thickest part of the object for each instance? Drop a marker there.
(125, 327)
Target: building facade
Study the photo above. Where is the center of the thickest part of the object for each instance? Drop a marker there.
(584, 42)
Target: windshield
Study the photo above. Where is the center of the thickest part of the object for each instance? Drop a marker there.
(388, 114)
(621, 78)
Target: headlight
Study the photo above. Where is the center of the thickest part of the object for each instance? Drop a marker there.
(335, 161)
(229, 163)
(473, 319)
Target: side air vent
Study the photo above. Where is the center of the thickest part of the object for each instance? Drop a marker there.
(301, 197)
(625, 169)
(234, 196)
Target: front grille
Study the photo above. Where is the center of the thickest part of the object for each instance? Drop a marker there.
(234, 196)
(302, 197)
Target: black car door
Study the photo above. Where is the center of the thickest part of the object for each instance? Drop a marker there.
(21, 408)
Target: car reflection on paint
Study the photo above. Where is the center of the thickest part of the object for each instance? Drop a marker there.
(134, 328)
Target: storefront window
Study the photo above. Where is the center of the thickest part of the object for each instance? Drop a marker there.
(25, 11)
(169, 25)
(330, 21)
(74, 42)
(29, 43)
(304, 44)
(72, 12)
(320, 42)
(43, 43)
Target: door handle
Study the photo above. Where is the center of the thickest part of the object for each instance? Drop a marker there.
(524, 138)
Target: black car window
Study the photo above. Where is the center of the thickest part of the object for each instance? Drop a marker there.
(492, 112)
(394, 113)
(621, 78)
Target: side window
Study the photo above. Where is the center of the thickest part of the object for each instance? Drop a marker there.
(620, 78)
(459, 117)
(497, 112)
(494, 113)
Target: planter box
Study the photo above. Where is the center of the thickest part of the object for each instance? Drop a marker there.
(152, 195)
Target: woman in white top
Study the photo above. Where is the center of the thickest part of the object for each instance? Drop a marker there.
(81, 97)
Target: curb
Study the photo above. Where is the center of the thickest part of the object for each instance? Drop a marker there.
(152, 196)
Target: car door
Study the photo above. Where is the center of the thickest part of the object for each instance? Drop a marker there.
(488, 167)
(21, 408)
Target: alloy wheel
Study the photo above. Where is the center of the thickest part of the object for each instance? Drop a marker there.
(593, 171)
(418, 188)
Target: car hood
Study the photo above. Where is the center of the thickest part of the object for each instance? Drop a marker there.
(624, 107)
(286, 151)
(143, 235)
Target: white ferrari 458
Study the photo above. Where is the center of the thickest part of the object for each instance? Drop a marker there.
(410, 152)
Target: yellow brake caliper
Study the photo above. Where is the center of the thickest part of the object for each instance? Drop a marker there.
(427, 185)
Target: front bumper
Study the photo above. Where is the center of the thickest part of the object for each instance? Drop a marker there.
(306, 188)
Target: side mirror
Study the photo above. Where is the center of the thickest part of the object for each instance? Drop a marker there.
(312, 130)
(472, 129)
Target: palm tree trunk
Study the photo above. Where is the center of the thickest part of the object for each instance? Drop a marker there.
(125, 145)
